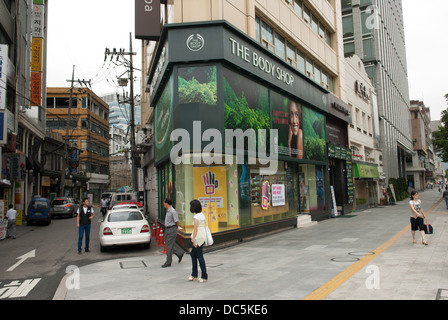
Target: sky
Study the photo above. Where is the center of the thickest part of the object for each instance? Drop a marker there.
(79, 32)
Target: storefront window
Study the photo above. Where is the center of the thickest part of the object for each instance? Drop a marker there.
(234, 196)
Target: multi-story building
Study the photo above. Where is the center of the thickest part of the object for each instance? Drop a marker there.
(363, 134)
(374, 31)
(88, 130)
(421, 165)
(228, 65)
(23, 51)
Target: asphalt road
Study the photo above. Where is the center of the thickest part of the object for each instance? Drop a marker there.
(33, 265)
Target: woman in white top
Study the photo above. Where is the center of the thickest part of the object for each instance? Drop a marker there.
(198, 238)
(417, 217)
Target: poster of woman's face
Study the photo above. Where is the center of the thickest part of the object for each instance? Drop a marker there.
(287, 119)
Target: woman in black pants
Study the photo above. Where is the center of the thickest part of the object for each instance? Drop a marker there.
(417, 217)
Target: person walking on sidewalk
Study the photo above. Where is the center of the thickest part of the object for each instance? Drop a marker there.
(445, 195)
(198, 238)
(84, 218)
(171, 228)
(417, 217)
(11, 215)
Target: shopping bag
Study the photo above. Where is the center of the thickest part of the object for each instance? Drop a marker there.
(209, 238)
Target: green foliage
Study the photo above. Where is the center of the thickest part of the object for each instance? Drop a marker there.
(314, 135)
(195, 92)
(240, 115)
(440, 138)
(400, 187)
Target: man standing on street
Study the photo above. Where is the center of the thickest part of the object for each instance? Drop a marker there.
(171, 228)
(83, 221)
(445, 195)
(11, 215)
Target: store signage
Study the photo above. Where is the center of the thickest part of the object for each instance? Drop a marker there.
(195, 42)
(3, 74)
(361, 90)
(264, 64)
(147, 20)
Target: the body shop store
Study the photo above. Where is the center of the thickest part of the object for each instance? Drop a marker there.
(238, 130)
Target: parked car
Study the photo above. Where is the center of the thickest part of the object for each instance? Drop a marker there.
(122, 206)
(64, 207)
(38, 211)
(122, 197)
(124, 227)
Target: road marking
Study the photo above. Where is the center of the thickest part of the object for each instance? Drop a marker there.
(31, 254)
(325, 290)
(15, 289)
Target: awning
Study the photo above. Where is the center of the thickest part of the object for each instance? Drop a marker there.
(365, 171)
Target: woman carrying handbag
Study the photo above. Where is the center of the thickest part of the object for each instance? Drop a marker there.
(199, 238)
(417, 217)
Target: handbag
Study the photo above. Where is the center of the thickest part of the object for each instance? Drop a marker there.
(208, 238)
(428, 227)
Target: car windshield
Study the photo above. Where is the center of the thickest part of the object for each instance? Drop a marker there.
(124, 206)
(59, 202)
(125, 216)
(38, 204)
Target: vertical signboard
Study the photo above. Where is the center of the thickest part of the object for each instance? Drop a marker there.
(37, 26)
(3, 73)
(147, 19)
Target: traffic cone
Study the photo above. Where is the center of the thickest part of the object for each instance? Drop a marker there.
(158, 233)
(161, 239)
(164, 248)
(154, 229)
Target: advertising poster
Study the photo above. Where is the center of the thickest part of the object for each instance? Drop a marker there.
(163, 123)
(210, 185)
(287, 119)
(278, 195)
(314, 136)
(246, 106)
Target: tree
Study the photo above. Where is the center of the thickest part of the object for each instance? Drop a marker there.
(440, 137)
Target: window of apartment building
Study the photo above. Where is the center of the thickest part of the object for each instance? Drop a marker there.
(349, 35)
(316, 24)
(284, 49)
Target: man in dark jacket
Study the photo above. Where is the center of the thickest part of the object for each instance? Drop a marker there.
(83, 221)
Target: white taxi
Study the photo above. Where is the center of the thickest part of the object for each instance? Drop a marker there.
(124, 227)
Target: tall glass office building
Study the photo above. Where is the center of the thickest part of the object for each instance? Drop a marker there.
(374, 30)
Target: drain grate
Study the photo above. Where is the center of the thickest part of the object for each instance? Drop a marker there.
(442, 294)
(133, 265)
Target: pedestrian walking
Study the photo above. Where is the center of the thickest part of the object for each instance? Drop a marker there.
(445, 195)
(170, 235)
(84, 217)
(417, 217)
(104, 205)
(198, 238)
(11, 215)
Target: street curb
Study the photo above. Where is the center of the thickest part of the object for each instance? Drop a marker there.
(61, 292)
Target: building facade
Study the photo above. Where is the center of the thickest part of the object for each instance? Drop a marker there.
(268, 65)
(23, 51)
(88, 131)
(374, 31)
(363, 134)
(422, 164)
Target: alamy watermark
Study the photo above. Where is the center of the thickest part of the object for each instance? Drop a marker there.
(213, 153)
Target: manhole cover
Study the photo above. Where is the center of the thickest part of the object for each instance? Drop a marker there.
(361, 253)
(133, 265)
(345, 259)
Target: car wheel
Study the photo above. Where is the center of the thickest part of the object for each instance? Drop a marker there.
(147, 245)
(103, 248)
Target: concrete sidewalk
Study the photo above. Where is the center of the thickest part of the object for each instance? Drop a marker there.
(293, 264)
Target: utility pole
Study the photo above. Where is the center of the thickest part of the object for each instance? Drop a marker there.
(67, 148)
(66, 158)
(131, 101)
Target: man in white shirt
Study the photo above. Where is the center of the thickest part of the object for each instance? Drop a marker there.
(11, 215)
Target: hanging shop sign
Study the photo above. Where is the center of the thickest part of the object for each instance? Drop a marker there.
(147, 19)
